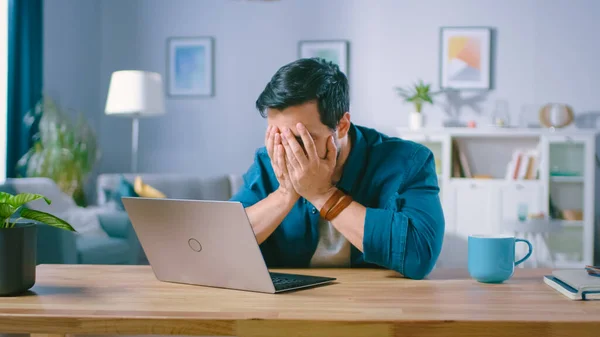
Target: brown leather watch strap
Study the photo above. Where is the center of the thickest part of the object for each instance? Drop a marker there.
(344, 202)
(333, 199)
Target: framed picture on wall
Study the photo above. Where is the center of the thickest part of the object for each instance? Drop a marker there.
(465, 57)
(190, 66)
(336, 51)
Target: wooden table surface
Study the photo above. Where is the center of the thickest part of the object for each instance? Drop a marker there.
(128, 300)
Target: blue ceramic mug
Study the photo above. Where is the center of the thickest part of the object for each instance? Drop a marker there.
(492, 257)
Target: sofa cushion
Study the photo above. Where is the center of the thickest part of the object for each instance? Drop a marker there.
(116, 224)
(146, 191)
(7, 188)
(101, 250)
(61, 202)
(174, 186)
(123, 188)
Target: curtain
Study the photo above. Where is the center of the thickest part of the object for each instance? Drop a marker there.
(25, 76)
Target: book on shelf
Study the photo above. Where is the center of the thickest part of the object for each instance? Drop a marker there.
(524, 165)
(460, 164)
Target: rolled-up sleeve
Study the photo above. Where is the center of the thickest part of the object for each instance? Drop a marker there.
(406, 233)
(255, 179)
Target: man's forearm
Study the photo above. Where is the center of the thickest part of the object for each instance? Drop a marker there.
(350, 222)
(268, 213)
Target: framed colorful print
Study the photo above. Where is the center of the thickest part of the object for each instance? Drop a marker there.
(465, 57)
(190, 66)
(335, 51)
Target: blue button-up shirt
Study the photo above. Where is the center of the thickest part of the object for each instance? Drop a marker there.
(394, 179)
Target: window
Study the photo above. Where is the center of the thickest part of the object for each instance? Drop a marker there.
(3, 83)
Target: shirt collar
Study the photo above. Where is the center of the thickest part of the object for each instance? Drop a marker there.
(356, 162)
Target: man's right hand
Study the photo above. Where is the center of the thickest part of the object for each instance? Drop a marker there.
(267, 214)
(278, 161)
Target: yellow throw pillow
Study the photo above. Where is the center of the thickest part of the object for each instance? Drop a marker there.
(146, 191)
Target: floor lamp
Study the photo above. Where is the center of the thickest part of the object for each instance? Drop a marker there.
(135, 94)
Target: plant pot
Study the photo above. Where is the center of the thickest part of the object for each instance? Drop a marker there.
(17, 259)
(415, 121)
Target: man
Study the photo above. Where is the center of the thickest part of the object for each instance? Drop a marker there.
(324, 192)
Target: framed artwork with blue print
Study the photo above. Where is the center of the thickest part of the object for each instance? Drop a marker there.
(335, 51)
(190, 66)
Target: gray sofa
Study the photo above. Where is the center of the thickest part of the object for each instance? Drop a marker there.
(173, 186)
(116, 245)
(119, 243)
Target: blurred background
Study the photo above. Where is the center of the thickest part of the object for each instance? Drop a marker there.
(508, 91)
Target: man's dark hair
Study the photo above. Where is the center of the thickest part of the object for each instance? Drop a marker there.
(308, 80)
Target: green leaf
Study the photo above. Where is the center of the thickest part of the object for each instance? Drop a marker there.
(46, 218)
(403, 92)
(417, 93)
(23, 198)
(5, 197)
(6, 210)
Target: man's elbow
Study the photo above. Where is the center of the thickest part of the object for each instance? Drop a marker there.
(420, 270)
(420, 258)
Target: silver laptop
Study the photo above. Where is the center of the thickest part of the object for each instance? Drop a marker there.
(208, 243)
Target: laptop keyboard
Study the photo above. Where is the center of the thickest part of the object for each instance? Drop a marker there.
(290, 281)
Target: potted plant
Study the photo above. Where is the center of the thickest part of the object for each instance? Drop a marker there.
(62, 150)
(417, 94)
(18, 240)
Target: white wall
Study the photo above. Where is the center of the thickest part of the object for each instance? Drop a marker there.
(546, 51)
(72, 52)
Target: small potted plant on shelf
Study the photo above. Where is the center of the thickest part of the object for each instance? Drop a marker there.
(18, 240)
(418, 94)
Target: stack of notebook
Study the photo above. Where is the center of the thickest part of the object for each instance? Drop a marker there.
(576, 284)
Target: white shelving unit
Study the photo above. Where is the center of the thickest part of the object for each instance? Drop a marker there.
(565, 180)
(576, 180)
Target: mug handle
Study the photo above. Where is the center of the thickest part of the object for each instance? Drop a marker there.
(528, 254)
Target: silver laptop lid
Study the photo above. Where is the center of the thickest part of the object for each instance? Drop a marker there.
(196, 242)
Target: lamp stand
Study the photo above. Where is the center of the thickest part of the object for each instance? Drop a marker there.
(134, 143)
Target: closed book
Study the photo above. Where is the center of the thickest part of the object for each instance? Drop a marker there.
(575, 284)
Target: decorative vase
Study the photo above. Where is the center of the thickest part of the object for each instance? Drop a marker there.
(17, 259)
(500, 115)
(415, 120)
(556, 115)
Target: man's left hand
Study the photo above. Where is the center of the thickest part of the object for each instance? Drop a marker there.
(310, 175)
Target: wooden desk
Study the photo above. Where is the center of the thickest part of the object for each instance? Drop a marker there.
(120, 300)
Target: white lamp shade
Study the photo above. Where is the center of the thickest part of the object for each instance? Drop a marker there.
(133, 92)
